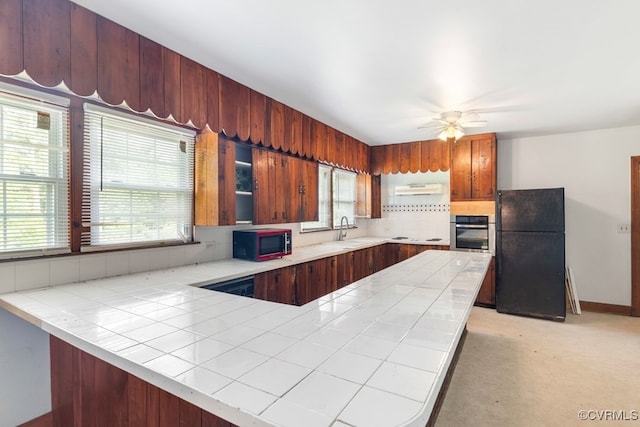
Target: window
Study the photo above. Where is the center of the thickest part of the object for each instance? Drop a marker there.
(138, 181)
(344, 197)
(336, 198)
(34, 177)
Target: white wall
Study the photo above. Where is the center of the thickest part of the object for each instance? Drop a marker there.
(25, 380)
(416, 217)
(594, 169)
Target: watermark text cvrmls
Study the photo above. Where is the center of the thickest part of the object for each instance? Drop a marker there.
(608, 415)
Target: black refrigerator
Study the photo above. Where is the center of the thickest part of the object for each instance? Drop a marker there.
(530, 253)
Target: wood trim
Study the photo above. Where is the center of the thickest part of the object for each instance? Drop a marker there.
(45, 420)
(447, 380)
(600, 307)
(635, 236)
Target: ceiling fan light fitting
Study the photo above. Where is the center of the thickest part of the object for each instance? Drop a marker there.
(451, 131)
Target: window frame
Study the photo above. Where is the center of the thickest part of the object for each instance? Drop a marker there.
(313, 226)
(59, 220)
(88, 242)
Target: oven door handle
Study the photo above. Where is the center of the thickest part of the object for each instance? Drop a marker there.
(483, 227)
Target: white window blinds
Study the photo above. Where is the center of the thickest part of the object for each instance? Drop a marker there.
(138, 181)
(34, 187)
(344, 197)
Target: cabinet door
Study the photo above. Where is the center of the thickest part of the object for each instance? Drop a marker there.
(215, 202)
(460, 173)
(294, 189)
(483, 170)
(226, 181)
(309, 199)
(261, 191)
(315, 279)
(276, 285)
(344, 269)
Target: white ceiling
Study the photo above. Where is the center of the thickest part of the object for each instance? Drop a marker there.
(377, 70)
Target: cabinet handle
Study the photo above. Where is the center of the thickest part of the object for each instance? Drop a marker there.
(304, 189)
(275, 215)
(255, 184)
(284, 215)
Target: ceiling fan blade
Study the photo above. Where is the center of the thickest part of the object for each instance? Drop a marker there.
(474, 123)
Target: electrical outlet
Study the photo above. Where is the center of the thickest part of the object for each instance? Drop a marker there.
(624, 228)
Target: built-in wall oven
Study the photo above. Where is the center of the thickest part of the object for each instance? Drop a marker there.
(474, 233)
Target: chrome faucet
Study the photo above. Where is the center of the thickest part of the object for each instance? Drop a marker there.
(343, 234)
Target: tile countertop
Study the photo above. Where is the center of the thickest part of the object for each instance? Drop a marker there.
(372, 353)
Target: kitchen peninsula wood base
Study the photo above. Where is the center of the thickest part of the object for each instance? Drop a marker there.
(86, 390)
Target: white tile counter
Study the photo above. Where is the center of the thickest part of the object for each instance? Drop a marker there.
(373, 353)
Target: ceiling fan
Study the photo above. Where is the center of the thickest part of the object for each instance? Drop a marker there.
(453, 123)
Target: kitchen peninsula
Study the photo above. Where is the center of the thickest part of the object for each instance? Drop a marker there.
(375, 352)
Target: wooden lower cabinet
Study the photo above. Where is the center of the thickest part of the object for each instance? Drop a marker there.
(87, 391)
(276, 285)
(305, 282)
(487, 293)
(344, 267)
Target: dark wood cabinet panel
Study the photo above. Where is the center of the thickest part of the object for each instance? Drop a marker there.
(226, 181)
(460, 174)
(404, 157)
(362, 263)
(213, 99)
(473, 168)
(118, 64)
(215, 202)
(11, 37)
(192, 97)
(315, 279)
(309, 202)
(319, 140)
(275, 124)
(287, 117)
(376, 196)
(368, 196)
(276, 285)
(234, 108)
(46, 32)
(257, 117)
(487, 293)
(151, 77)
(192, 93)
(172, 81)
(376, 162)
(415, 156)
(330, 151)
(262, 205)
(307, 149)
(294, 134)
(344, 269)
(89, 391)
(84, 51)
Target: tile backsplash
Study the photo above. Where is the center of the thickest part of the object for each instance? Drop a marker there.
(214, 243)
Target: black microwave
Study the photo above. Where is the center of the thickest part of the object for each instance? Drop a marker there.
(261, 244)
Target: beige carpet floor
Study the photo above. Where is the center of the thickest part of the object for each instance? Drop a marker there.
(518, 371)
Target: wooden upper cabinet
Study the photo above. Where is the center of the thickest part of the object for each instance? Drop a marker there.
(309, 200)
(261, 191)
(11, 33)
(306, 149)
(84, 52)
(434, 155)
(118, 64)
(214, 180)
(258, 117)
(47, 35)
(404, 157)
(368, 196)
(473, 168)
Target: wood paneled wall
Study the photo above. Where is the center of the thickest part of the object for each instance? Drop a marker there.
(417, 156)
(56, 41)
(87, 391)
